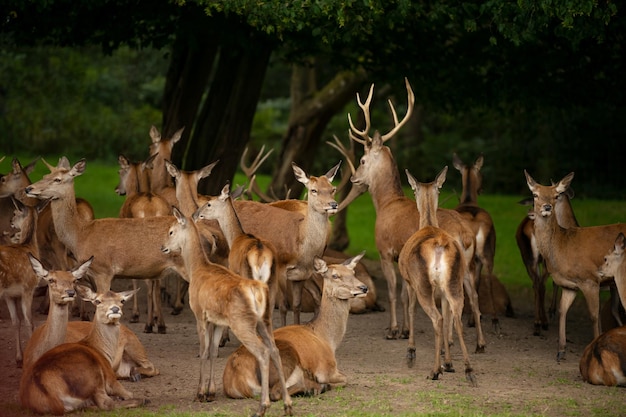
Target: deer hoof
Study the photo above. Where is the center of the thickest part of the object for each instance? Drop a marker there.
(392, 334)
(480, 348)
(404, 334)
(162, 330)
(469, 375)
(447, 367)
(176, 311)
(560, 356)
(147, 329)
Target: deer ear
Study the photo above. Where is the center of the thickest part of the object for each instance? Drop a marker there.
(332, 172)
(319, 265)
(37, 266)
(300, 174)
(154, 134)
(441, 177)
(81, 270)
(352, 262)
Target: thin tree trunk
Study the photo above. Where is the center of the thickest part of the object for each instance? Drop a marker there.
(311, 111)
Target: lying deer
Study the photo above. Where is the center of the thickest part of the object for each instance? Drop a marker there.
(573, 255)
(307, 351)
(378, 173)
(130, 359)
(533, 261)
(603, 361)
(219, 298)
(18, 281)
(61, 293)
(74, 376)
(433, 265)
(481, 223)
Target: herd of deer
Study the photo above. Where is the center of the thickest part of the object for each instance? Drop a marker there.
(241, 259)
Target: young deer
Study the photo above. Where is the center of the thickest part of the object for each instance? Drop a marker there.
(219, 298)
(433, 265)
(161, 149)
(603, 361)
(573, 255)
(18, 281)
(141, 202)
(74, 376)
(533, 261)
(615, 267)
(11, 184)
(307, 351)
(248, 256)
(61, 292)
(128, 248)
(378, 173)
(481, 223)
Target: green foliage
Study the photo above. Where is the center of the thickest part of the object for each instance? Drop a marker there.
(79, 102)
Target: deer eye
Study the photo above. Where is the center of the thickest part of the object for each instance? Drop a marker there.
(362, 161)
(314, 191)
(122, 301)
(97, 302)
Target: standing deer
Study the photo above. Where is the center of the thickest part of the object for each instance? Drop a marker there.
(481, 223)
(10, 185)
(74, 376)
(573, 255)
(17, 278)
(128, 248)
(433, 265)
(141, 202)
(297, 237)
(615, 267)
(307, 351)
(378, 173)
(61, 292)
(219, 298)
(533, 261)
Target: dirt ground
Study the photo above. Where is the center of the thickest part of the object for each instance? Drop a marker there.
(517, 375)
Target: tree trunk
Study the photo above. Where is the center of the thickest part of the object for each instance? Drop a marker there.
(223, 127)
(193, 54)
(311, 110)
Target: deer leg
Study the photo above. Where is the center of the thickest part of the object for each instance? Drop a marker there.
(182, 287)
(390, 276)
(539, 288)
(447, 336)
(407, 313)
(265, 330)
(296, 288)
(410, 354)
(429, 307)
(457, 310)
(17, 324)
(150, 302)
(620, 287)
(567, 298)
(591, 291)
(134, 318)
(158, 318)
(472, 295)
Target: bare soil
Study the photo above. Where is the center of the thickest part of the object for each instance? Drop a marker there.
(517, 375)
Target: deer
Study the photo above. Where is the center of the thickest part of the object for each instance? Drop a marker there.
(248, 256)
(615, 267)
(51, 250)
(481, 223)
(122, 248)
(18, 281)
(534, 262)
(307, 350)
(603, 361)
(378, 173)
(573, 255)
(219, 298)
(130, 359)
(161, 149)
(75, 376)
(9, 185)
(61, 293)
(296, 250)
(141, 202)
(433, 265)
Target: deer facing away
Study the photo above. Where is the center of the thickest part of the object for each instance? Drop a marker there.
(307, 351)
(433, 265)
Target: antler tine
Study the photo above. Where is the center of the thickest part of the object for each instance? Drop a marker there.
(256, 163)
(366, 112)
(348, 153)
(409, 112)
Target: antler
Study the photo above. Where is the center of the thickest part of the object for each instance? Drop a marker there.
(362, 136)
(250, 173)
(349, 156)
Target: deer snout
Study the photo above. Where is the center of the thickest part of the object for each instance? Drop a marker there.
(114, 312)
(363, 291)
(69, 295)
(333, 205)
(28, 190)
(165, 249)
(546, 210)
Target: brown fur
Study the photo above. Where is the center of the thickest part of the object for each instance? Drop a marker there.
(603, 361)
(433, 265)
(307, 351)
(220, 298)
(573, 255)
(74, 376)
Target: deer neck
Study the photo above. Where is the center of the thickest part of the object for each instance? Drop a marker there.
(67, 221)
(386, 186)
(548, 233)
(332, 320)
(104, 338)
(469, 195)
(29, 233)
(565, 214)
(56, 326)
(191, 251)
(428, 214)
(187, 196)
(315, 228)
(133, 186)
(229, 223)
